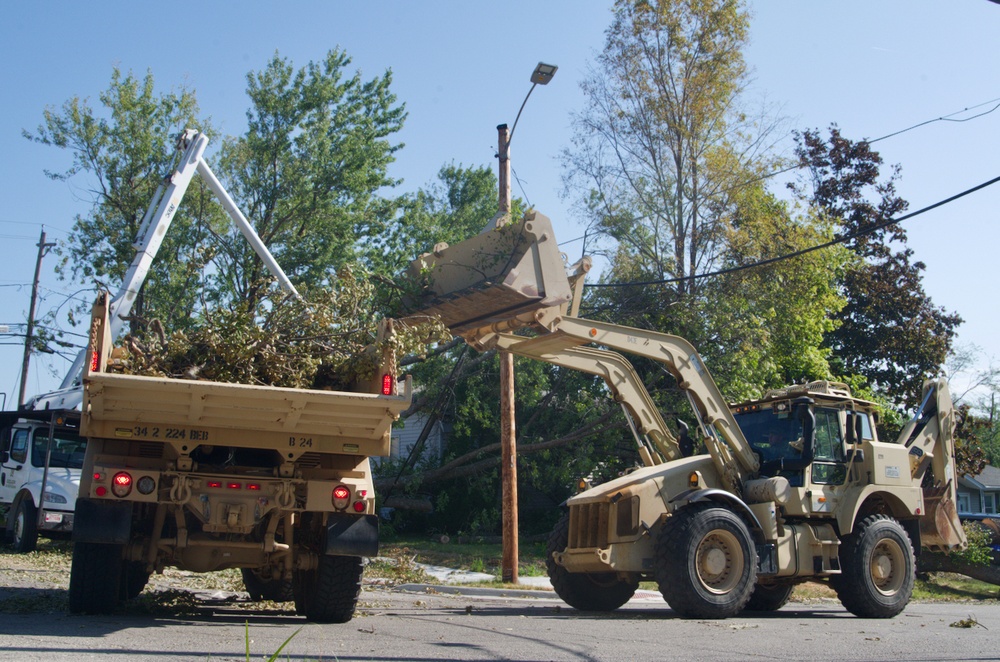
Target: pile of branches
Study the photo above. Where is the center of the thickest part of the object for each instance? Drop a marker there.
(328, 339)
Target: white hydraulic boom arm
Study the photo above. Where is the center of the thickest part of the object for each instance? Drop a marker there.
(155, 224)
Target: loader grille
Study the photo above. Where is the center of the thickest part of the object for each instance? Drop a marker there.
(588, 525)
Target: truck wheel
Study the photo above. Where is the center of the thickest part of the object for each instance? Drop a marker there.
(877, 568)
(25, 532)
(271, 588)
(769, 597)
(329, 593)
(586, 591)
(134, 579)
(705, 562)
(95, 578)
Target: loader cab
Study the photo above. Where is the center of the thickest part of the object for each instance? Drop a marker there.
(809, 434)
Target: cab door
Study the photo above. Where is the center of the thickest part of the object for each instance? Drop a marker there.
(15, 467)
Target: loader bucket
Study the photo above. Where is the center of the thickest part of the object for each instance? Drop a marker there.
(496, 276)
(940, 528)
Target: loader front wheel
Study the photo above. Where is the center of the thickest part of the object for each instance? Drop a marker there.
(877, 569)
(95, 578)
(329, 593)
(705, 562)
(586, 591)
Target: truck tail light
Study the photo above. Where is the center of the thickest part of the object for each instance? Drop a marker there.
(387, 382)
(145, 485)
(341, 495)
(121, 484)
(359, 506)
(95, 361)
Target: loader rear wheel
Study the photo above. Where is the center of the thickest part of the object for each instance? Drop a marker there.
(329, 593)
(706, 563)
(95, 578)
(24, 534)
(267, 588)
(591, 591)
(769, 597)
(877, 569)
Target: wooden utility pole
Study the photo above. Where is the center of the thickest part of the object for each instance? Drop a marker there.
(43, 248)
(508, 433)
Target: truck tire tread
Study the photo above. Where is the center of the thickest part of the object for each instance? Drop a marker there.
(855, 586)
(95, 578)
(329, 594)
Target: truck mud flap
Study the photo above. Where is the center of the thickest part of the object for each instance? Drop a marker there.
(350, 535)
(102, 522)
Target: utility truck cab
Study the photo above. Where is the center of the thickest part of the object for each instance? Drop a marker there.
(41, 453)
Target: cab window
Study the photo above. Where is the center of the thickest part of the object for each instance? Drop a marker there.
(19, 446)
(828, 466)
(67, 450)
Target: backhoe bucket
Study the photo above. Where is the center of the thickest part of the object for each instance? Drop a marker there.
(940, 528)
(494, 277)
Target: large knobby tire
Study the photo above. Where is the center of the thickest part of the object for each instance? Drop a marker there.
(769, 597)
(594, 591)
(134, 579)
(329, 593)
(706, 562)
(877, 568)
(95, 578)
(24, 533)
(267, 588)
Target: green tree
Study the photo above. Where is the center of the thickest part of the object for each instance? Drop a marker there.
(455, 207)
(661, 142)
(122, 150)
(309, 173)
(890, 331)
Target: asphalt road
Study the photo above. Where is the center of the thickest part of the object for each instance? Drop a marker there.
(422, 626)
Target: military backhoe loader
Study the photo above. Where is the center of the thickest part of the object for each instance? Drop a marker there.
(794, 486)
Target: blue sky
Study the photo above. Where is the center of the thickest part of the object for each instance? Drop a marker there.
(463, 67)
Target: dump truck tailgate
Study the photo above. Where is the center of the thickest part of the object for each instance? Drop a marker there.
(189, 413)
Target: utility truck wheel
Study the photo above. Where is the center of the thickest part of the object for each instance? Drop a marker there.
(593, 591)
(706, 563)
(95, 578)
(769, 597)
(25, 531)
(134, 579)
(877, 568)
(329, 593)
(267, 588)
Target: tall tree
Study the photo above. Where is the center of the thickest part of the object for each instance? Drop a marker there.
(309, 172)
(661, 142)
(121, 151)
(890, 331)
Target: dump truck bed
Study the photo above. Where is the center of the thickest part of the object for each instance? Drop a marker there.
(190, 413)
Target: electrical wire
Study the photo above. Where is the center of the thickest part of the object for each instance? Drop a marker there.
(797, 166)
(788, 256)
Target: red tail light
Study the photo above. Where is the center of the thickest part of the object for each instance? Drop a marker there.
(234, 486)
(359, 506)
(387, 381)
(95, 360)
(340, 496)
(215, 483)
(121, 484)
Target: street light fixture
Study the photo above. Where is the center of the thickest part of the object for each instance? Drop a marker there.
(542, 74)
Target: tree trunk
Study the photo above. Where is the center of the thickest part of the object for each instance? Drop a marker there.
(932, 562)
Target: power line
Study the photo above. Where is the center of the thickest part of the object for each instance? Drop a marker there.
(833, 242)
(943, 118)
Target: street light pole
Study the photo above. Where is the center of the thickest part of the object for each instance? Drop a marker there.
(508, 454)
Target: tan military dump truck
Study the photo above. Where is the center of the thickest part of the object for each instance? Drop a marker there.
(795, 486)
(206, 476)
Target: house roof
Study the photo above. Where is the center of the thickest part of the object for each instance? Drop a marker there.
(988, 478)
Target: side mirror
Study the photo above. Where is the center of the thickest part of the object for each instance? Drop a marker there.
(803, 410)
(4, 457)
